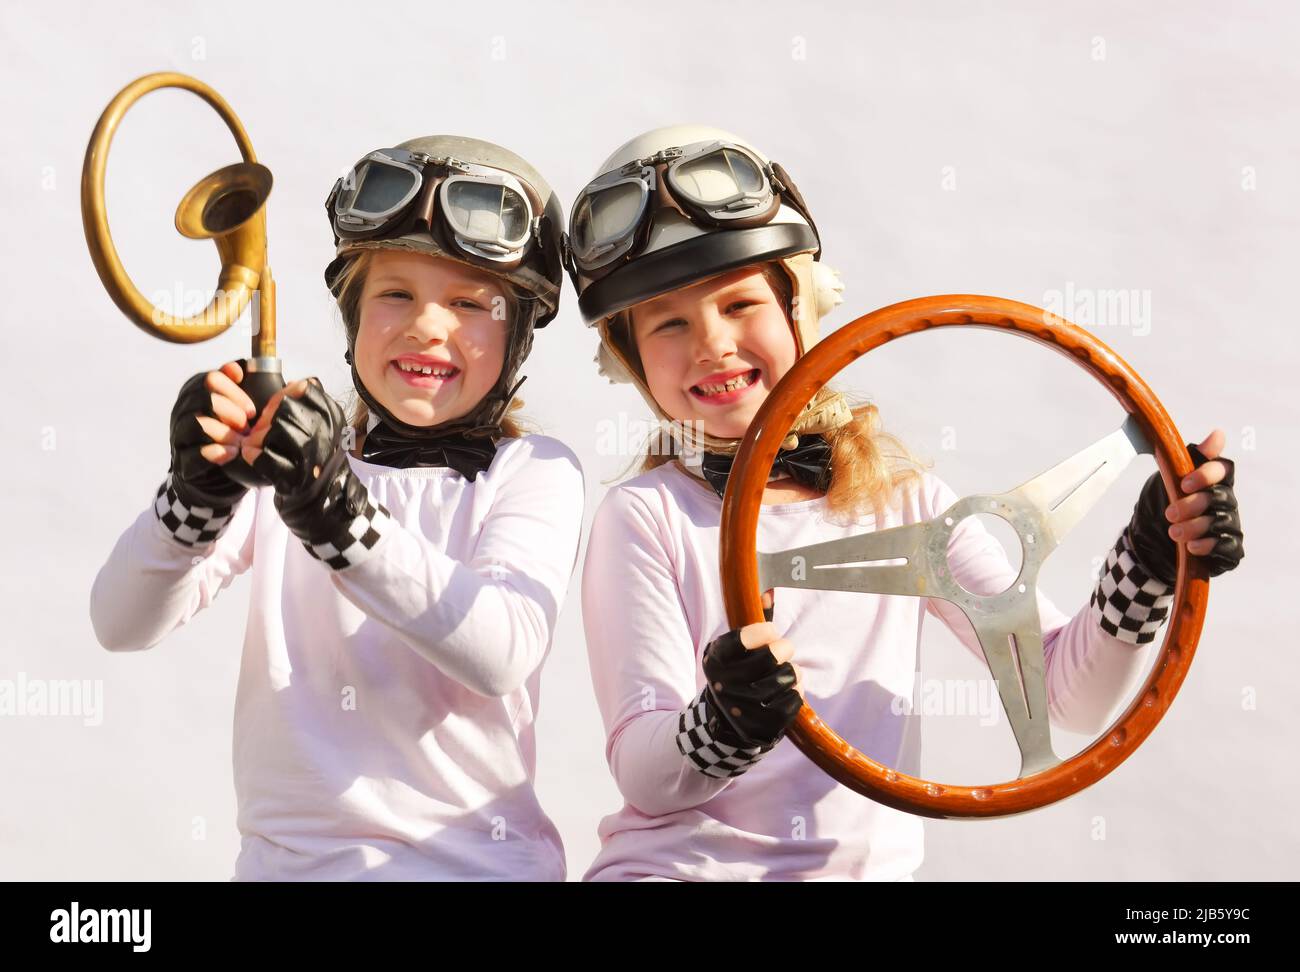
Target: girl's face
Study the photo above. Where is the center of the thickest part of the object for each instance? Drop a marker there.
(420, 311)
(713, 351)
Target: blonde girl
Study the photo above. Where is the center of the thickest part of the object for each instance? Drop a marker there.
(697, 259)
(408, 565)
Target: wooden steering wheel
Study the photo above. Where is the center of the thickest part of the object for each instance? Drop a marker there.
(1007, 624)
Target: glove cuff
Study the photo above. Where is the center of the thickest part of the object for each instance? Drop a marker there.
(338, 522)
(698, 730)
(191, 525)
(1128, 602)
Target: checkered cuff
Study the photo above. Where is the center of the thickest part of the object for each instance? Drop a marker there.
(1128, 602)
(696, 730)
(191, 526)
(347, 532)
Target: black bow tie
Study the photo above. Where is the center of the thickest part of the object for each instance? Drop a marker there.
(387, 447)
(808, 463)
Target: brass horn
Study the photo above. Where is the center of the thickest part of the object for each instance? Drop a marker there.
(227, 207)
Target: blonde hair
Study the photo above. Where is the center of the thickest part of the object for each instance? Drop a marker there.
(868, 464)
(351, 282)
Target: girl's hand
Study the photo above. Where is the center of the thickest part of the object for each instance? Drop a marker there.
(207, 424)
(753, 687)
(755, 637)
(1207, 519)
(297, 446)
(1189, 515)
(231, 409)
(297, 436)
(251, 446)
(769, 606)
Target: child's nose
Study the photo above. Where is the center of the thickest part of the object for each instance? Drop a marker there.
(434, 321)
(714, 338)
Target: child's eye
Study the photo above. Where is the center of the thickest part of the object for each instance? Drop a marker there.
(671, 323)
(738, 303)
(405, 295)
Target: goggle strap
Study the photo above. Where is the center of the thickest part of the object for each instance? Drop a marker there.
(791, 191)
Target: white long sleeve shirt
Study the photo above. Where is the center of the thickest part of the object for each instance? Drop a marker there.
(384, 713)
(652, 601)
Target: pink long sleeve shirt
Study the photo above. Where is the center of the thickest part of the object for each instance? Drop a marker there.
(652, 601)
(384, 713)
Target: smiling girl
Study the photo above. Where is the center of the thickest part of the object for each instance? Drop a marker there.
(406, 584)
(695, 257)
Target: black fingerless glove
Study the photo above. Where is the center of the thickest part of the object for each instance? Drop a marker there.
(753, 697)
(196, 502)
(1148, 529)
(745, 708)
(318, 496)
(196, 481)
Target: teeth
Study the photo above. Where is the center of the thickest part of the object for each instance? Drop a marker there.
(425, 369)
(740, 381)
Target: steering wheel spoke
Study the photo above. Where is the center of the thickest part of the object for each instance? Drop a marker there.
(1066, 492)
(1012, 640)
(865, 562)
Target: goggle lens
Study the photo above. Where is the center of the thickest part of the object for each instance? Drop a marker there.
(487, 212)
(719, 176)
(379, 189)
(606, 216)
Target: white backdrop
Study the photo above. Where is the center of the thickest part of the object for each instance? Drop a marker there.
(1036, 152)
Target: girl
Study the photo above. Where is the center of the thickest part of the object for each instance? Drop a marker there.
(408, 565)
(694, 255)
